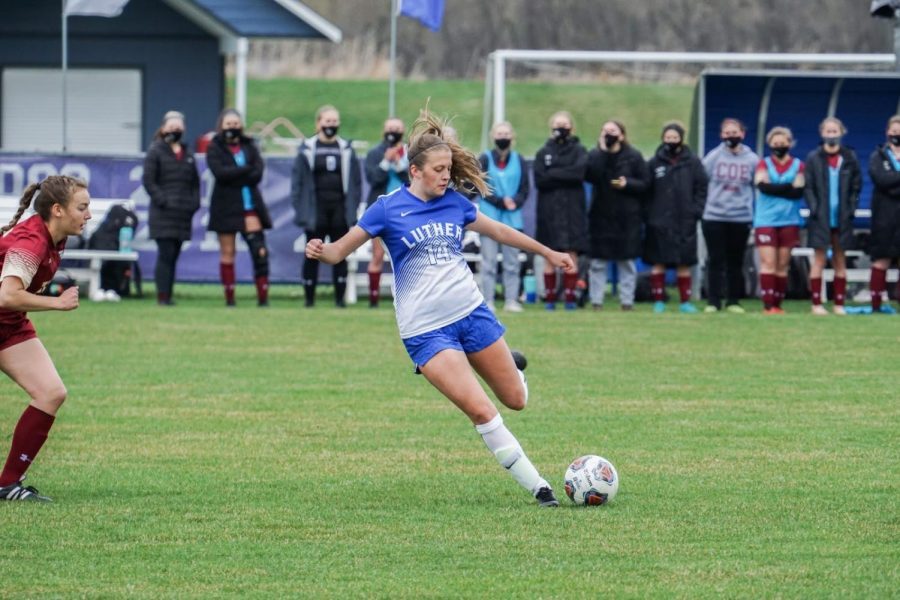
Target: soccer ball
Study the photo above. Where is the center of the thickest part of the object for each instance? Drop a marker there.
(591, 480)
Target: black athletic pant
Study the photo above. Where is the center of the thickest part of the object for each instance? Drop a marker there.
(311, 267)
(726, 244)
(169, 249)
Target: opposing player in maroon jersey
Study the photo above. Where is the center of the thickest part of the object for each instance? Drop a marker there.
(29, 257)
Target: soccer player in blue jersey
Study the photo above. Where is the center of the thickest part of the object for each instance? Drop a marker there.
(443, 321)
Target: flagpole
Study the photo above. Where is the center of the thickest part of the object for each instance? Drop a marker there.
(65, 67)
(392, 93)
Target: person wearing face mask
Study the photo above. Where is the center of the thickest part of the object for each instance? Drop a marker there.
(173, 184)
(386, 171)
(508, 179)
(236, 204)
(728, 216)
(779, 180)
(561, 207)
(675, 203)
(884, 245)
(326, 189)
(619, 177)
(833, 182)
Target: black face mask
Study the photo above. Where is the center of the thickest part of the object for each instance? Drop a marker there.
(894, 140)
(673, 147)
(610, 140)
(733, 141)
(233, 134)
(780, 152)
(392, 137)
(330, 131)
(831, 140)
(561, 133)
(172, 136)
(502, 143)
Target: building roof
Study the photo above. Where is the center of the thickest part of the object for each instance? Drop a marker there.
(257, 18)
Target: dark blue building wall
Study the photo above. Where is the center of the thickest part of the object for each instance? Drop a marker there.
(181, 64)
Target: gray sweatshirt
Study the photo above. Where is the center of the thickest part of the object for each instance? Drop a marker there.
(730, 195)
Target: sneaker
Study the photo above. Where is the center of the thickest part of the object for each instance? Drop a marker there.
(659, 306)
(735, 309)
(550, 306)
(819, 310)
(98, 296)
(687, 308)
(519, 359)
(711, 309)
(262, 303)
(17, 491)
(513, 306)
(773, 310)
(546, 498)
(571, 305)
(887, 309)
(839, 310)
(112, 296)
(596, 307)
(627, 307)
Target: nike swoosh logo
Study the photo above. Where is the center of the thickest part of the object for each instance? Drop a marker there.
(403, 214)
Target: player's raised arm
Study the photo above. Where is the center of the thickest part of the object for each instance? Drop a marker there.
(335, 252)
(505, 234)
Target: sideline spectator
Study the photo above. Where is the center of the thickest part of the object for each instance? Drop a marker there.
(776, 221)
(884, 169)
(507, 177)
(561, 213)
(833, 182)
(171, 180)
(678, 193)
(386, 170)
(326, 192)
(236, 205)
(728, 215)
(619, 176)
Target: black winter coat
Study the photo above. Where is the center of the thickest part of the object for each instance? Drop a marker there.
(226, 206)
(816, 194)
(174, 189)
(614, 219)
(561, 207)
(885, 240)
(674, 206)
(376, 176)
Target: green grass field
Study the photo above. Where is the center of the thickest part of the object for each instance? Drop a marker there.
(285, 452)
(643, 107)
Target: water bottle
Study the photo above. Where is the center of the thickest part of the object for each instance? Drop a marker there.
(530, 285)
(126, 234)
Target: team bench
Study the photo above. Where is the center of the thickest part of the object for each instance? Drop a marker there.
(95, 258)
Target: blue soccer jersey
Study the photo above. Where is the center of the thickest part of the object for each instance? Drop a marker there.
(433, 286)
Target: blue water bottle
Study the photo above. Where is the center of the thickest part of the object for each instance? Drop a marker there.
(530, 285)
(126, 234)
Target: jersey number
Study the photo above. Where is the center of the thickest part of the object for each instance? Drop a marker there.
(439, 252)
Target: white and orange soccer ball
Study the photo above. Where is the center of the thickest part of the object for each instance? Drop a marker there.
(591, 481)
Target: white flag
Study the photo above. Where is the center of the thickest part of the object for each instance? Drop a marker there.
(95, 8)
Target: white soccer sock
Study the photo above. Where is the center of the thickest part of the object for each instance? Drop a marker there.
(524, 383)
(510, 455)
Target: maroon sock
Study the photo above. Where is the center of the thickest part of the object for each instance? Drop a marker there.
(780, 289)
(226, 272)
(374, 287)
(767, 289)
(877, 285)
(815, 288)
(570, 280)
(30, 434)
(658, 286)
(840, 290)
(684, 288)
(550, 287)
(262, 289)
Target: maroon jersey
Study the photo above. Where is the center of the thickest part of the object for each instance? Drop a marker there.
(28, 252)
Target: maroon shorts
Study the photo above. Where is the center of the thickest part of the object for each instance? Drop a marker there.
(10, 335)
(777, 237)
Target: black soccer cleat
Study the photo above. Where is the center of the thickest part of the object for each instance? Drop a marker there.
(519, 359)
(16, 491)
(546, 498)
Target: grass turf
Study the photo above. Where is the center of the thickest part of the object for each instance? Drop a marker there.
(209, 452)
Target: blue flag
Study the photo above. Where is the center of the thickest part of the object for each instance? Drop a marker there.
(429, 13)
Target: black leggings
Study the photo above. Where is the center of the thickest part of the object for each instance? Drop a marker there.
(726, 244)
(311, 267)
(169, 250)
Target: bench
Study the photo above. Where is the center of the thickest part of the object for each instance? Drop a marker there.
(90, 274)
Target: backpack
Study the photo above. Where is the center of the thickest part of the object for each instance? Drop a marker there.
(116, 275)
